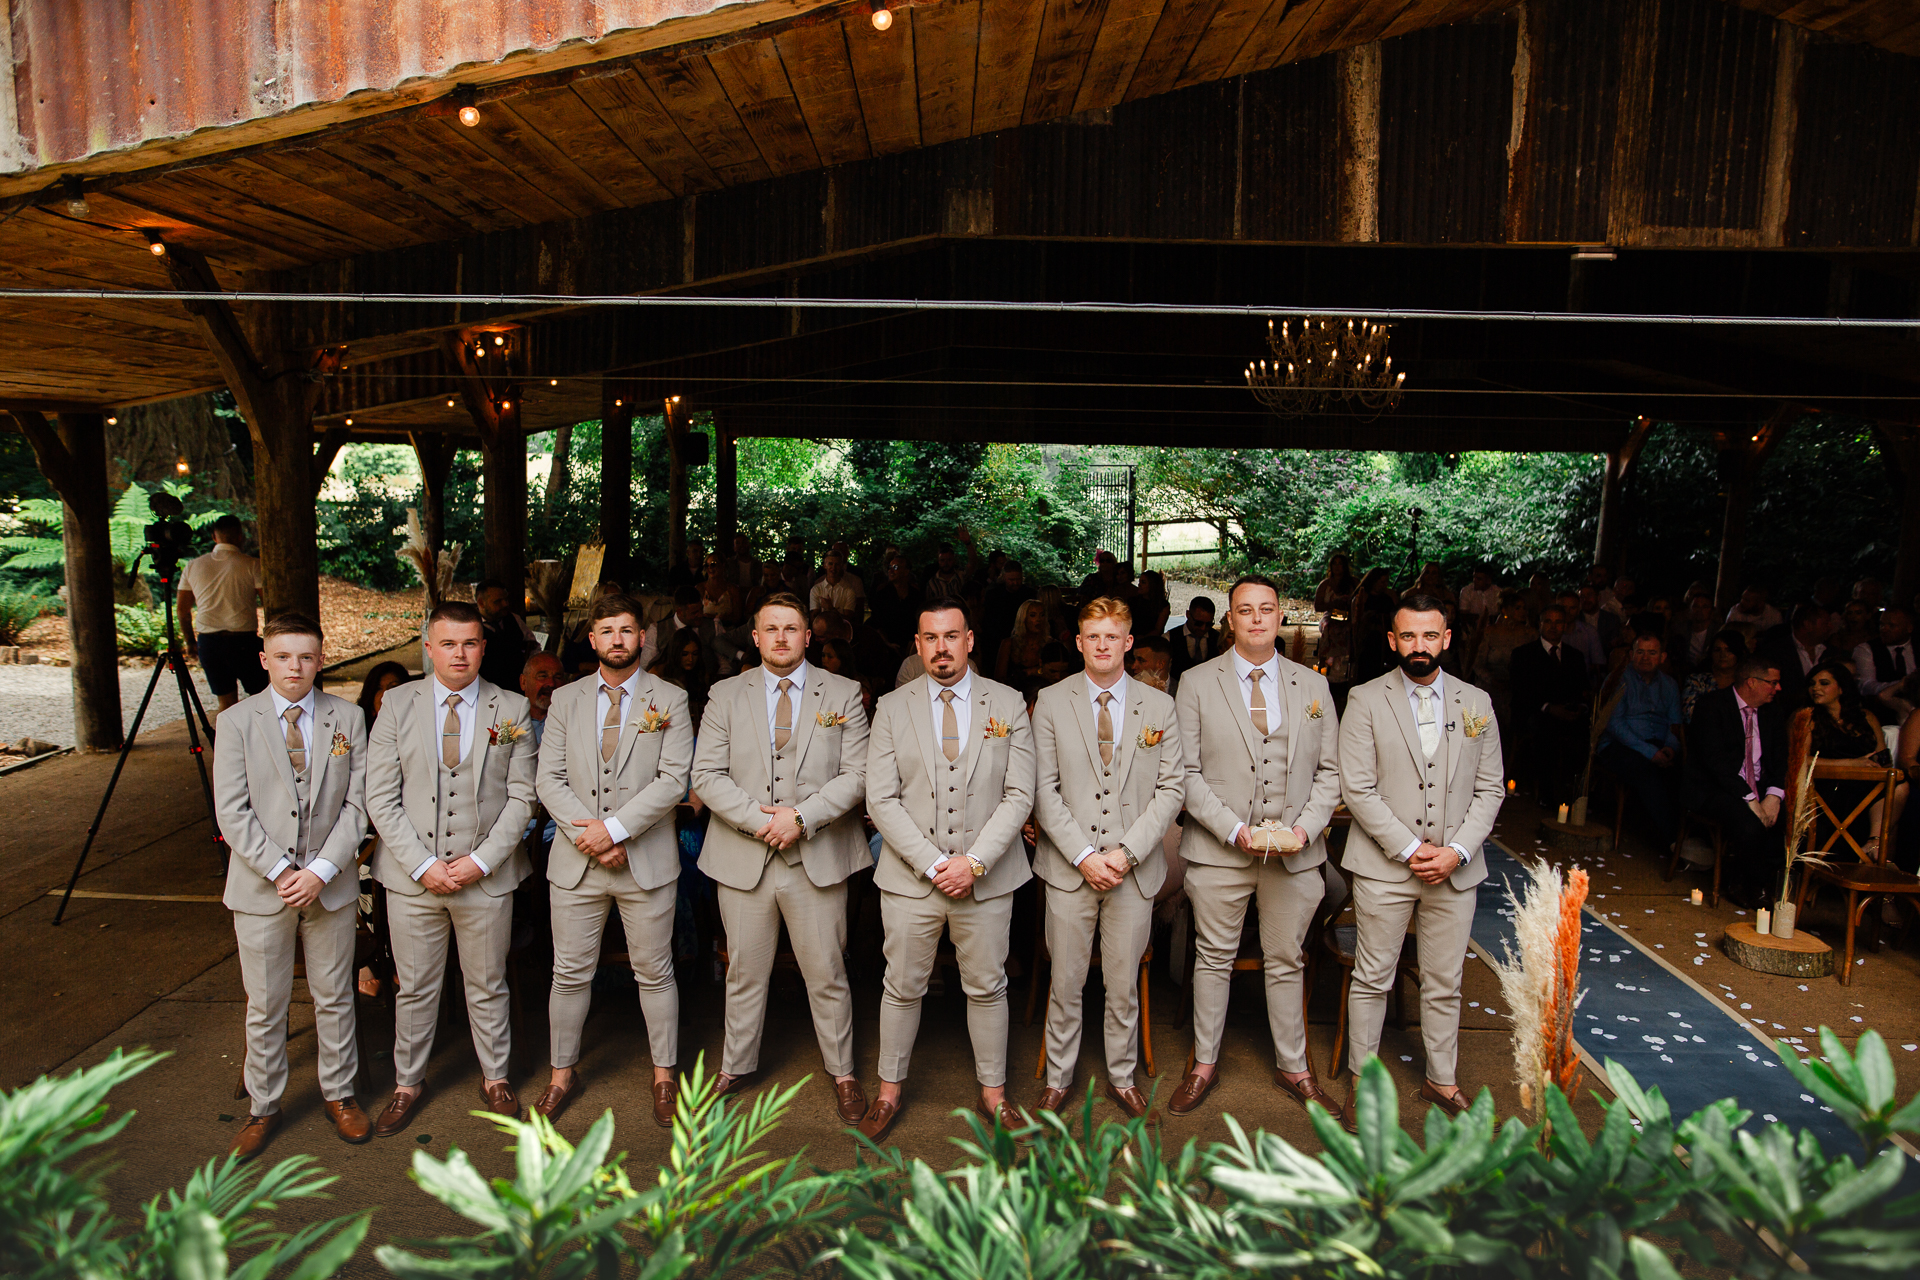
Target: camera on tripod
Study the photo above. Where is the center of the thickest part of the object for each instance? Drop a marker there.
(168, 538)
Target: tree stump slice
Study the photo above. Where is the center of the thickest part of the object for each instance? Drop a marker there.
(1801, 956)
(1576, 837)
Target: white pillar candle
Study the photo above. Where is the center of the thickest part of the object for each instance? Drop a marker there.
(1698, 897)
(1563, 815)
(1763, 921)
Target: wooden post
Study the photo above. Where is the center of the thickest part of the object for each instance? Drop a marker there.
(1900, 446)
(275, 386)
(331, 442)
(676, 481)
(1357, 73)
(491, 390)
(435, 453)
(1610, 535)
(726, 488)
(616, 480)
(74, 461)
(1741, 454)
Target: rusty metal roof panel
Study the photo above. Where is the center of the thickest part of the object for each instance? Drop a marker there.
(1446, 100)
(1857, 154)
(91, 76)
(1712, 101)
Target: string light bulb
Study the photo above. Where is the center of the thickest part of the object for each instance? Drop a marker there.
(506, 404)
(553, 382)
(449, 402)
(882, 16)
(113, 421)
(470, 116)
(155, 245)
(181, 466)
(499, 340)
(349, 421)
(77, 205)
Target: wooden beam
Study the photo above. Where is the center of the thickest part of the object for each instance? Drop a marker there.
(1610, 534)
(1358, 72)
(1741, 454)
(434, 452)
(323, 455)
(676, 420)
(490, 386)
(726, 486)
(1900, 444)
(616, 480)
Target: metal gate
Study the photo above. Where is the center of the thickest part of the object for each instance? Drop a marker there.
(1111, 490)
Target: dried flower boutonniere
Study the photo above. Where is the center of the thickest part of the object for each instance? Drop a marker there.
(1313, 710)
(829, 720)
(654, 720)
(997, 728)
(1475, 724)
(340, 745)
(506, 734)
(1150, 737)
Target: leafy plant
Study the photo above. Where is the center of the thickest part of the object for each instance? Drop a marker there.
(139, 630)
(20, 610)
(126, 527)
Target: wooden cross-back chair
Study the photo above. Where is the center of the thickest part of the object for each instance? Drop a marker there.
(1864, 876)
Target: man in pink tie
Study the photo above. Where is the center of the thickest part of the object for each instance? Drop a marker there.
(1736, 775)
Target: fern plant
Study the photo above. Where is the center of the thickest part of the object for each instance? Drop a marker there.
(20, 610)
(126, 528)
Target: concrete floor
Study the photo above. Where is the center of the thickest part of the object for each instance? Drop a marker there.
(164, 974)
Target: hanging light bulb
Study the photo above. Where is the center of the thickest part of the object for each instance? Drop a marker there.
(499, 340)
(470, 116)
(449, 402)
(113, 422)
(181, 466)
(882, 16)
(349, 421)
(155, 245)
(553, 382)
(506, 404)
(77, 205)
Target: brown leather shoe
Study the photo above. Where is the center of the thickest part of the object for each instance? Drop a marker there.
(724, 1084)
(255, 1134)
(500, 1098)
(666, 1098)
(1004, 1114)
(399, 1113)
(554, 1098)
(879, 1118)
(1129, 1100)
(1051, 1100)
(1348, 1120)
(349, 1121)
(851, 1100)
(1192, 1092)
(1308, 1091)
(1453, 1106)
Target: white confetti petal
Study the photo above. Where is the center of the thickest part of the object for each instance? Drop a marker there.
(1769, 1117)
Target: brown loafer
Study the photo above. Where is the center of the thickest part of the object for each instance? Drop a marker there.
(255, 1134)
(1003, 1115)
(851, 1100)
(399, 1112)
(1129, 1100)
(1192, 1092)
(666, 1099)
(349, 1121)
(1051, 1100)
(1348, 1120)
(1307, 1091)
(1453, 1106)
(724, 1084)
(500, 1099)
(554, 1098)
(879, 1118)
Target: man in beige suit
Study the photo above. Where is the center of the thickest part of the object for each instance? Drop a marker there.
(782, 763)
(290, 786)
(950, 780)
(613, 767)
(450, 788)
(1260, 738)
(1421, 770)
(1111, 779)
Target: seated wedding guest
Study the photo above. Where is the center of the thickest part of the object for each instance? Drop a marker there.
(1336, 589)
(1907, 756)
(1196, 642)
(1000, 602)
(1432, 581)
(836, 656)
(1152, 662)
(1537, 596)
(1826, 593)
(798, 566)
(1870, 592)
(1582, 636)
(1723, 658)
(687, 616)
(1641, 742)
(1101, 581)
(895, 604)
(1056, 663)
(1798, 650)
(507, 636)
(1061, 624)
(1605, 625)
(1736, 775)
(1859, 623)
(1845, 731)
(1753, 610)
(1479, 601)
(1616, 599)
(1552, 703)
(691, 571)
(684, 666)
(1019, 658)
(1692, 635)
(384, 676)
(720, 596)
(1151, 608)
(1884, 661)
(1371, 611)
(838, 589)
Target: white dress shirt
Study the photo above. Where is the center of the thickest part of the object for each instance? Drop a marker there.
(844, 595)
(1439, 687)
(1118, 708)
(319, 866)
(799, 677)
(962, 716)
(468, 709)
(616, 830)
(1873, 680)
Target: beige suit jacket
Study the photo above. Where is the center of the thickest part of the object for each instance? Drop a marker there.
(1221, 748)
(731, 777)
(259, 814)
(403, 785)
(904, 769)
(1144, 793)
(649, 779)
(1383, 773)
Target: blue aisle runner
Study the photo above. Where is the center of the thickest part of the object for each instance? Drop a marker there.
(1665, 1032)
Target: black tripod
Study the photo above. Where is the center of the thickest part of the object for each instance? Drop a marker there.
(196, 716)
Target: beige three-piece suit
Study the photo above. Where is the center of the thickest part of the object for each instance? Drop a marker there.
(821, 770)
(639, 788)
(425, 809)
(928, 808)
(1399, 795)
(1236, 775)
(274, 815)
(1083, 800)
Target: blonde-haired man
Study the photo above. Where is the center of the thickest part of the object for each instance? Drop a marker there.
(1111, 779)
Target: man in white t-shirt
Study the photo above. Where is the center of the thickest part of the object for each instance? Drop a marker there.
(838, 589)
(218, 595)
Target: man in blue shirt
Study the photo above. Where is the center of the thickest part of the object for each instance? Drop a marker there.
(1641, 743)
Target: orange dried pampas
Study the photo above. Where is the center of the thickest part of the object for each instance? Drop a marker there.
(1562, 1061)
(1540, 978)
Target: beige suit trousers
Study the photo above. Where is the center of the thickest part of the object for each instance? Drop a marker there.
(1124, 921)
(816, 921)
(579, 920)
(266, 971)
(979, 932)
(1382, 909)
(422, 925)
(1286, 903)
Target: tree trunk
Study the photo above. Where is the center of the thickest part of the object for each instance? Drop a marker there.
(434, 453)
(1609, 537)
(1741, 456)
(153, 438)
(557, 474)
(676, 485)
(726, 489)
(491, 390)
(616, 481)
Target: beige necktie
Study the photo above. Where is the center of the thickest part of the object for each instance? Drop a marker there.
(783, 716)
(1106, 729)
(1428, 726)
(296, 741)
(1259, 703)
(949, 727)
(450, 732)
(610, 731)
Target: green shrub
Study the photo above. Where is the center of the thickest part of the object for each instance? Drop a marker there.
(20, 610)
(139, 630)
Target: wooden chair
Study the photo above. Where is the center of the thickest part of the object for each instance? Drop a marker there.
(1612, 779)
(1339, 941)
(1869, 878)
(1715, 837)
(1043, 959)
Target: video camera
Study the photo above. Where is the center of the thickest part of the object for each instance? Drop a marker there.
(168, 538)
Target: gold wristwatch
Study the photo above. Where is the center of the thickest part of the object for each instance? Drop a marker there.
(979, 867)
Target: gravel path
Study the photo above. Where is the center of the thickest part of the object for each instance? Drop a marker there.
(37, 702)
